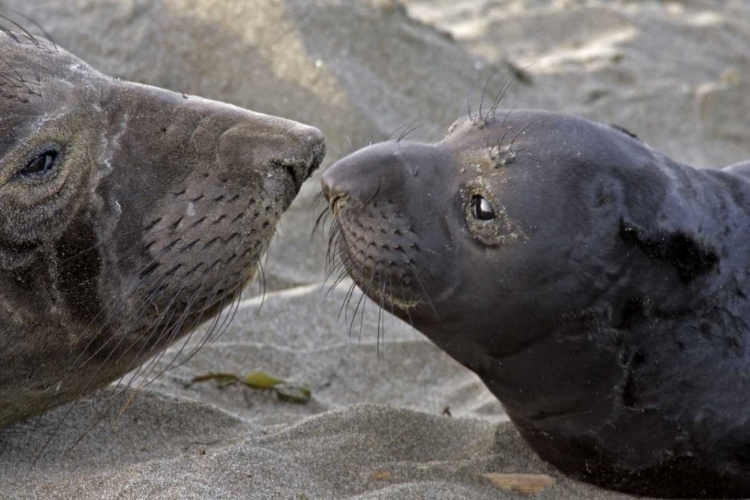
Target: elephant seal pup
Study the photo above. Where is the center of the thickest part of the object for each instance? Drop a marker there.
(599, 289)
(128, 216)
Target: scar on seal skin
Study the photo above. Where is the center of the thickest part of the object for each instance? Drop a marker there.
(598, 288)
(129, 215)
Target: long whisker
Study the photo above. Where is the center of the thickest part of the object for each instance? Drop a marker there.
(76, 365)
(217, 287)
(35, 23)
(413, 126)
(499, 97)
(380, 316)
(469, 100)
(484, 93)
(28, 35)
(427, 296)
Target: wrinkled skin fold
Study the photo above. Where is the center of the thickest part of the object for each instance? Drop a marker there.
(598, 288)
(129, 216)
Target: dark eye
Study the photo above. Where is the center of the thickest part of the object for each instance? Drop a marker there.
(481, 209)
(41, 165)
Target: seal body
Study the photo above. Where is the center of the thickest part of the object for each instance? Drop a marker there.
(129, 215)
(598, 288)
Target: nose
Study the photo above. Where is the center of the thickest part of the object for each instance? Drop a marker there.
(345, 179)
(312, 140)
(367, 174)
(273, 143)
(305, 156)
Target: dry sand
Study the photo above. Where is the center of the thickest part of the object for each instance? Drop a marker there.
(676, 73)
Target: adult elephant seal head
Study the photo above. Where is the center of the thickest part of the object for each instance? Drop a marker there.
(598, 288)
(128, 216)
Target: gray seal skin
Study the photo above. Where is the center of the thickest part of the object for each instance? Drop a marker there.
(598, 288)
(129, 215)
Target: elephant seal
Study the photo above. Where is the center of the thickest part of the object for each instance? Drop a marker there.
(129, 215)
(599, 289)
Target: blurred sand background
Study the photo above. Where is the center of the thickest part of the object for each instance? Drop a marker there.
(675, 73)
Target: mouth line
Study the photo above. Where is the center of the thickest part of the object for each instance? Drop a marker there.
(387, 298)
(337, 204)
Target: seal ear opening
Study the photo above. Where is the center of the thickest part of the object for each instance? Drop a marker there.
(677, 248)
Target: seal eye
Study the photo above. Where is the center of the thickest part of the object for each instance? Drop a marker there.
(481, 209)
(40, 165)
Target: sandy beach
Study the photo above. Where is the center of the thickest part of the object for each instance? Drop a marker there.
(391, 416)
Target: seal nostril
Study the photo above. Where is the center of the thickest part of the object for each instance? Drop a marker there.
(293, 174)
(294, 169)
(318, 154)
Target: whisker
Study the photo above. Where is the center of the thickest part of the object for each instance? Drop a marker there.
(484, 93)
(408, 129)
(25, 32)
(20, 81)
(10, 34)
(193, 297)
(510, 146)
(202, 343)
(427, 296)
(380, 316)
(354, 316)
(81, 393)
(35, 23)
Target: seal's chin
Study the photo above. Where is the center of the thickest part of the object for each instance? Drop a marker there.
(387, 300)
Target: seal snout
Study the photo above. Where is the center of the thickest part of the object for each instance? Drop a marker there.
(370, 174)
(301, 156)
(331, 190)
(380, 228)
(312, 142)
(338, 182)
(275, 147)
